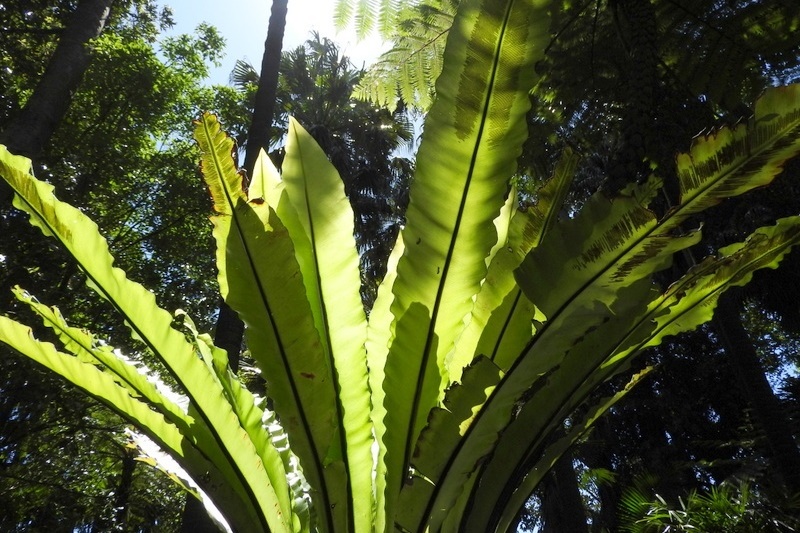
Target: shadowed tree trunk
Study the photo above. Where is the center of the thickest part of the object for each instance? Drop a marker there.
(229, 328)
(562, 505)
(596, 455)
(123, 494)
(30, 131)
(264, 106)
(636, 26)
(770, 414)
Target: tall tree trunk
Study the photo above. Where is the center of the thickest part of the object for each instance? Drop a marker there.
(596, 455)
(769, 412)
(264, 107)
(29, 133)
(562, 504)
(123, 493)
(229, 329)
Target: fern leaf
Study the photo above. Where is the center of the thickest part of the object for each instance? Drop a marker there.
(75, 232)
(323, 221)
(342, 13)
(605, 352)
(473, 135)
(247, 410)
(279, 324)
(409, 69)
(226, 490)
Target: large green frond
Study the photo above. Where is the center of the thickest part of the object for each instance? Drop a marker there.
(320, 221)
(226, 491)
(611, 244)
(523, 450)
(691, 300)
(250, 417)
(586, 260)
(379, 337)
(279, 324)
(473, 135)
(552, 452)
(597, 269)
(149, 323)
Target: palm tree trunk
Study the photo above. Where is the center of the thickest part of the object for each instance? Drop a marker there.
(264, 108)
(30, 131)
(769, 412)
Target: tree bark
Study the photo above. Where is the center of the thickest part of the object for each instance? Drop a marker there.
(596, 454)
(768, 410)
(229, 329)
(264, 107)
(30, 131)
(123, 494)
(562, 504)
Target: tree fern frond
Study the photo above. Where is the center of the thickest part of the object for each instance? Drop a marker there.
(342, 13)
(369, 15)
(365, 16)
(410, 68)
(387, 16)
(720, 45)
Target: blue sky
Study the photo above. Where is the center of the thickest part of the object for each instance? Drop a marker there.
(243, 23)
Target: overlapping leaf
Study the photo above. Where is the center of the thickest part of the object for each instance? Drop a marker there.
(409, 69)
(90, 350)
(605, 352)
(279, 324)
(320, 221)
(500, 322)
(473, 135)
(582, 263)
(79, 235)
(422, 503)
(547, 458)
